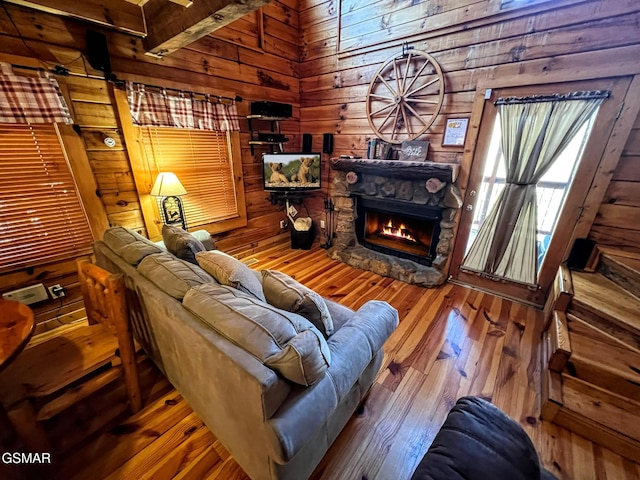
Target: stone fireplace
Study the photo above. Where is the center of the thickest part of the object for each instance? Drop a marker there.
(399, 229)
(388, 222)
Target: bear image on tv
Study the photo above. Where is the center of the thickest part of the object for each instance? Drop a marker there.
(303, 175)
(276, 173)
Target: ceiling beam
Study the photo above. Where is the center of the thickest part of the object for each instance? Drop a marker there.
(116, 14)
(171, 27)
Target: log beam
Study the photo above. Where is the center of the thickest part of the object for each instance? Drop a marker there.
(116, 14)
(171, 27)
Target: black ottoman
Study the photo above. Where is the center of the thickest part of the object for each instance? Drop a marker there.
(479, 441)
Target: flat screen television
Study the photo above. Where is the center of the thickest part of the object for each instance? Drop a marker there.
(283, 172)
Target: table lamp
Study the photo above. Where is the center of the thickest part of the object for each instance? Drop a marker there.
(169, 189)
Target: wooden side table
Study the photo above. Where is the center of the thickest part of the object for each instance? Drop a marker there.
(16, 327)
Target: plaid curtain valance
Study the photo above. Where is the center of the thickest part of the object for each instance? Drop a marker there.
(179, 111)
(31, 99)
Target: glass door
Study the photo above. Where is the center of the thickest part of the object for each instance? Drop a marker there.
(560, 192)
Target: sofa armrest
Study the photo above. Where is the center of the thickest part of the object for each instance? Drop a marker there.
(376, 320)
(353, 347)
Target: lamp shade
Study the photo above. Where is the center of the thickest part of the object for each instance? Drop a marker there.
(167, 184)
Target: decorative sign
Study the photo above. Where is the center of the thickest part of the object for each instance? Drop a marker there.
(109, 142)
(414, 150)
(455, 132)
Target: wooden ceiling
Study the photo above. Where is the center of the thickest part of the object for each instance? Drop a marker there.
(164, 25)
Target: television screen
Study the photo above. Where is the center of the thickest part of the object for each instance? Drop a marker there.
(291, 171)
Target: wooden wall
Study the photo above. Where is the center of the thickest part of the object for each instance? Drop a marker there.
(618, 221)
(478, 46)
(255, 57)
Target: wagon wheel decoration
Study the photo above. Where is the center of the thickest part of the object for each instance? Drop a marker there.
(405, 96)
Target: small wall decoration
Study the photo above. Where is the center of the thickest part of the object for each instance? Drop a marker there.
(455, 131)
(414, 150)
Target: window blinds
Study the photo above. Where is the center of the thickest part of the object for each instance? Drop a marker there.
(202, 161)
(41, 215)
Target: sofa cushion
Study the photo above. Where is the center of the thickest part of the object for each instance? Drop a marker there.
(181, 243)
(479, 441)
(129, 245)
(172, 275)
(230, 271)
(286, 342)
(285, 293)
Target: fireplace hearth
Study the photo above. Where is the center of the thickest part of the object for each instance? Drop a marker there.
(391, 225)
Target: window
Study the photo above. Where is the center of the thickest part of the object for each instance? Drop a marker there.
(208, 162)
(42, 218)
(551, 190)
(202, 161)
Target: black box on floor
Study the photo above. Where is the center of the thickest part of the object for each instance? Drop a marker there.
(302, 240)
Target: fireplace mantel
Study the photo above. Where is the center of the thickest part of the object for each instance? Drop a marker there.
(447, 172)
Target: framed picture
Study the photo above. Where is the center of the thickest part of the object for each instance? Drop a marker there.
(455, 132)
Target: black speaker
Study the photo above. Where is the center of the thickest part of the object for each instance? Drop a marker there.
(98, 52)
(580, 253)
(271, 109)
(307, 143)
(327, 143)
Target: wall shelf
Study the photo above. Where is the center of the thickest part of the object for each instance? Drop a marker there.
(274, 128)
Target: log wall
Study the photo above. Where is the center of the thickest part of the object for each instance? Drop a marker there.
(618, 221)
(478, 46)
(255, 57)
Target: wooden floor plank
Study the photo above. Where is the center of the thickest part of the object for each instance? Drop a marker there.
(451, 341)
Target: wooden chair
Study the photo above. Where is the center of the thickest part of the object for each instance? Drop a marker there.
(105, 302)
(51, 376)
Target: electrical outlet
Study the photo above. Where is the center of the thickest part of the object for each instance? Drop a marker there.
(322, 225)
(56, 291)
(283, 224)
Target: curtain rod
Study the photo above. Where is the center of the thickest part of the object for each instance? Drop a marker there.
(59, 70)
(582, 95)
(121, 83)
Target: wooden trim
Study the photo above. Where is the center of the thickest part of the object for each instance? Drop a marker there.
(260, 25)
(476, 147)
(505, 289)
(550, 395)
(75, 151)
(560, 342)
(148, 205)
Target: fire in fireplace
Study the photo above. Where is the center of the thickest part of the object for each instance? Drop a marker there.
(397, 228)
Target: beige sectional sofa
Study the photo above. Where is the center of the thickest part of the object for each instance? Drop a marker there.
(274, 387)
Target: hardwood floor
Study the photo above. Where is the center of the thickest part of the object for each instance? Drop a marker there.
(451, 342)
